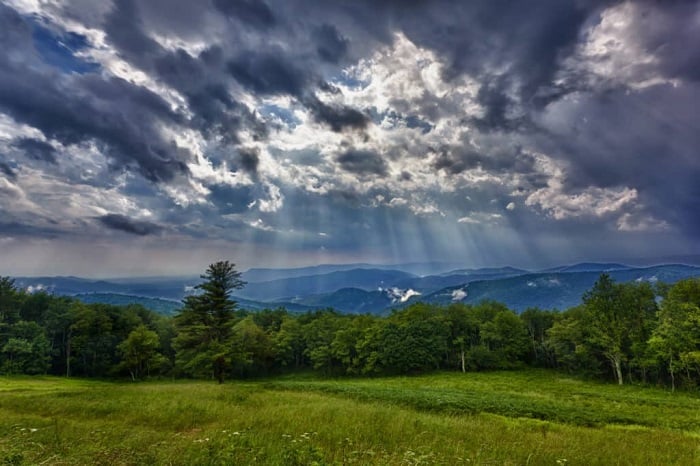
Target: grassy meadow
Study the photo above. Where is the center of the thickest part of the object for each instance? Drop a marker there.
(526, 417)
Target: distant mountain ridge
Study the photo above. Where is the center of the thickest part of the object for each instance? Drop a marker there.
(488, 271)
(173, 289)
(589, 267)
(547, 290)
(255, 275)
(373, 290)
(552, 290)
(366, 279)
(161, 306)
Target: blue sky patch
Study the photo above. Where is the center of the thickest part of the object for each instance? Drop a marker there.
(350, 81)
(284, 114)
(58, 50)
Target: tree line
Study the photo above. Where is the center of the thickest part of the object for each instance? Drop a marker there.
(623, 332)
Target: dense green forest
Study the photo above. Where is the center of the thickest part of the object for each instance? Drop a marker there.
(623, 332)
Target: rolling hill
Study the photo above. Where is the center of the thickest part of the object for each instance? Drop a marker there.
(555, 290)
(552, 290)
(372, 290)
(161, 306)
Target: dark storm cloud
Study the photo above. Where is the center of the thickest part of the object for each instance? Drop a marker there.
(217, 114)
(362, 162)
(204, 79)
(646, 139)
(76, 108)
(179, 67)
(455, 163)
(129, 225)
(201, 79)
(14, 29)
(36, 149)
(249, 159)
(253, 12)
(455, 160)
(338, 118)
(8, 171)
(331, 46)
(90, 111)
(270, 72)
(124, 29)
(498, 108)
(525, 42)
(668, 29)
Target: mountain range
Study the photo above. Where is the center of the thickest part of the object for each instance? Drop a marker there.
(365, 288)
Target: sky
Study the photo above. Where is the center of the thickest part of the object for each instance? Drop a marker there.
(156, 137)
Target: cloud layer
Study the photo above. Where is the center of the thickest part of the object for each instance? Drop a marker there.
(483, 131)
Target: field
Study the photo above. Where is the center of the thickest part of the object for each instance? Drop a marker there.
(528, 417)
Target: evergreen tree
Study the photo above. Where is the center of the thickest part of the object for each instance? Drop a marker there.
(203, 345)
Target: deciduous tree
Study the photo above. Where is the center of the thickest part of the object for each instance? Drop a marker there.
(139, 352)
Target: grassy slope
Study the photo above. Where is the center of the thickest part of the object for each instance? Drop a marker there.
(437, 419)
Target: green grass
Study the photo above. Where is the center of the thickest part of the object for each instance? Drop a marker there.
(536, 394)
(529, 417)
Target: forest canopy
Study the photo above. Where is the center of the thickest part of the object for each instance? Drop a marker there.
(623, 332)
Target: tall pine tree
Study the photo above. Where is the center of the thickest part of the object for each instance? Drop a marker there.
(204, 347)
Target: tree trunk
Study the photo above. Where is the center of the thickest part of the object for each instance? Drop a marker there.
(68, 357)
(617, 365)
(673, 378)
(618, 369)
(219, 369)
(462, 358)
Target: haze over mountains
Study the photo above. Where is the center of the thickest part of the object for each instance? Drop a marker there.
(365, 288)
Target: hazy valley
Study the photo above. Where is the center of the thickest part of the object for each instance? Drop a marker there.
(365, 288)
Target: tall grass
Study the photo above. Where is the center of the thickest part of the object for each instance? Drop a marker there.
(537, 394)
(421, 420)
